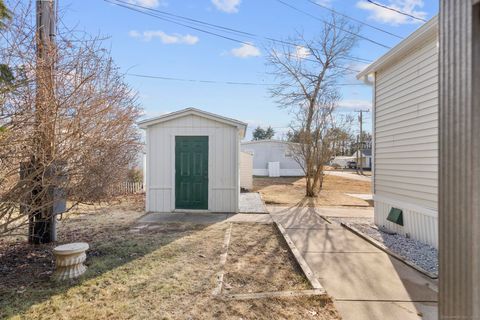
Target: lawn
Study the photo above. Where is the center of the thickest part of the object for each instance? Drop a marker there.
(290, 191)
(163, 271)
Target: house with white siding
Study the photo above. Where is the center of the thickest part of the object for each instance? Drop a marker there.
(365, 157)
(405, 135)
(273, 158)
(193, 162)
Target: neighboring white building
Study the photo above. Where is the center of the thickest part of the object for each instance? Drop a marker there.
(341, 161)
(366, 156)
(405, 147)
(193, 160)
(272, 158)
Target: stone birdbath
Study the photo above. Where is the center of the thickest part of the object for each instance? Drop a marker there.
(69, 260)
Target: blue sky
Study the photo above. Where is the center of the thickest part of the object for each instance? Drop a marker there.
(145, 45)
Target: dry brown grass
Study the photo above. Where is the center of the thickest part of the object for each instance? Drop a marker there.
(166, 272)
(259, 261)
(290, 191)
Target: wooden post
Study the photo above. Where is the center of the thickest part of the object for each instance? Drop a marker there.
(459, 159)
(42, 169)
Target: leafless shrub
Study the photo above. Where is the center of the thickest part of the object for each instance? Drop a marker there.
(308, 75)
(80, 137)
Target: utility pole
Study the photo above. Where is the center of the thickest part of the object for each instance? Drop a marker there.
(360, 141)
(40, 171)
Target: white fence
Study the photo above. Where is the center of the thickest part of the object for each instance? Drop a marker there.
(128, 187)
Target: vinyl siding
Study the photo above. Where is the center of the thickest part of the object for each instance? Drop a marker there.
(246, 170)
(272, 151)
(223, 166)
(406, 129)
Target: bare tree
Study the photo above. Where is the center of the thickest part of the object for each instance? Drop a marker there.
(307, 75)
(91, 115)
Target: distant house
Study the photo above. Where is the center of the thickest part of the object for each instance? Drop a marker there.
(341, 161)
(272, 158)
(192, 160)
(405, 135)
(365, 156)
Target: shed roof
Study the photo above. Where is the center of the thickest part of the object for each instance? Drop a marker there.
(242, 126)
(417, 38)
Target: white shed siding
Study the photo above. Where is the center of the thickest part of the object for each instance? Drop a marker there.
(246, 170)
(406, 128)
(222, 168)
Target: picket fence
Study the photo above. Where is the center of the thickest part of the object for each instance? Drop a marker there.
(128, 187)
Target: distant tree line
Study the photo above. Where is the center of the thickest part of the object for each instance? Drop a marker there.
(263, 134)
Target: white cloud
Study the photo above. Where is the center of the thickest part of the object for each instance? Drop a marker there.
(355, 104)
(228, 6)
(301, 52)
(326, 3)
(147, 3)
(246, 51)
(387, 16)
(164, 37)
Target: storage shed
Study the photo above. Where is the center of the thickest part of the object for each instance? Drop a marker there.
(405, 135)
(193, 161)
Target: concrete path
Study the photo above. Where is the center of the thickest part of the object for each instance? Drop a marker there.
(365, 282)
(170, 217)
(346, 212)
(349, 175)
(252, 202)
(202, 218)
(363, 196)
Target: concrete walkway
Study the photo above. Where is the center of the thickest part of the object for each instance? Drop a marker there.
(251, 202)
(365, 282)
(201, 218)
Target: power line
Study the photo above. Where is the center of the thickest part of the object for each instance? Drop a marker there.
(217, 81)
(217, 27)
(187, 18)
(324, 21)
(396, 10)
(356, 20)
(178, 23)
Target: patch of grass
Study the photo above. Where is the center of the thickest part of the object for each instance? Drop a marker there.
(259, 261)
(290, 191)
(166, 271)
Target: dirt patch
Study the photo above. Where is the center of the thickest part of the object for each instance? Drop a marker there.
(259, 261)
(164, 272)
(290, 191)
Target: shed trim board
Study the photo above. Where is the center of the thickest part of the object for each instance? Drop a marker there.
(195, 196)
(181, 113)
(172, 154)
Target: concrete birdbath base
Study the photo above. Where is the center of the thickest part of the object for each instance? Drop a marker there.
(69, 260)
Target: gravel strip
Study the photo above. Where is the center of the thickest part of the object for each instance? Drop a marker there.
(422, 255)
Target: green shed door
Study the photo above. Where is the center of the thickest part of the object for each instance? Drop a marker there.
(191, 172)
